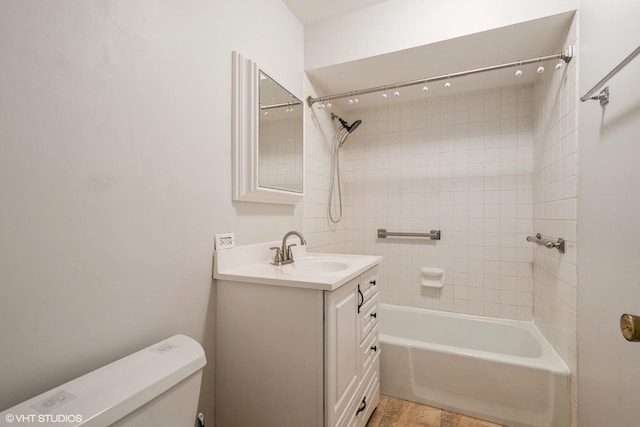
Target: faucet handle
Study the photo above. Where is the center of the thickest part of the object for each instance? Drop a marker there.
(277, 259)
(289, 251)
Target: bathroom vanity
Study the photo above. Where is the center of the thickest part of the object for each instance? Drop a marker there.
(296, 345)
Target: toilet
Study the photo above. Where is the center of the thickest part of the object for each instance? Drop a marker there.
(156, 386)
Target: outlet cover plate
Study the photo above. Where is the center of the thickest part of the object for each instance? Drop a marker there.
(225, 241)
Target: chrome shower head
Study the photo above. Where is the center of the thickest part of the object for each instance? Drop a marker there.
(353, 126)
(349, 128)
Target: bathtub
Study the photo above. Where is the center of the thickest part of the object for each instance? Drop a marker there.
(499, 370)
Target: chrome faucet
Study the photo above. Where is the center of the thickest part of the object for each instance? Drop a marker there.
(284, 255)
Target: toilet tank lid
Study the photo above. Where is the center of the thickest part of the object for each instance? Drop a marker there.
(109, 393)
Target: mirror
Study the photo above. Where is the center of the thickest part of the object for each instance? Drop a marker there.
(268, 137)
(280, 156)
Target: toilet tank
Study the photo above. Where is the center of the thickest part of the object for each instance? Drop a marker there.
(156, 386)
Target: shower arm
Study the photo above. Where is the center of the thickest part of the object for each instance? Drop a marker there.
(565, 55)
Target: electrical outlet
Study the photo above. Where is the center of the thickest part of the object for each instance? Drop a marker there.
(225, 241)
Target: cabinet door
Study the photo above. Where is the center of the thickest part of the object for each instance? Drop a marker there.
(343, 370)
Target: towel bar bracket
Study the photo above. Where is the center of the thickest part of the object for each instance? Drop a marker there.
(603, 97)
(549, 243)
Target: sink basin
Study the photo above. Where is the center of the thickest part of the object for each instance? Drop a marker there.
(313, 265)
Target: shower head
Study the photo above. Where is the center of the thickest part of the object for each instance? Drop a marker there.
(353, 126)
(344, 123)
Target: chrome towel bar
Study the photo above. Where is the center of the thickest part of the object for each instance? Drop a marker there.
(548, 242)
(603, 96)
(383, 233)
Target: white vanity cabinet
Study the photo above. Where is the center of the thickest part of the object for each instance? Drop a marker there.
(352, 367)
(292, 356)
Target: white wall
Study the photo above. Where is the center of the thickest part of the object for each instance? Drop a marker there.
(115, 164)
(555, 150)
(608, 210)
(461, 164)
(395, 25)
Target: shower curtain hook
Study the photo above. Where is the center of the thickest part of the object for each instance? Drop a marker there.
(519, 70)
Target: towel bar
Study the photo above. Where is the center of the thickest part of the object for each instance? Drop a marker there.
(383, 233)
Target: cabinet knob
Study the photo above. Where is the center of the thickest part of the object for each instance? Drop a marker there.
(374, 315)
(374, 347)
(372, 282)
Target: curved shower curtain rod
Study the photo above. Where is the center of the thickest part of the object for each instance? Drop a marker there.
(565, 55)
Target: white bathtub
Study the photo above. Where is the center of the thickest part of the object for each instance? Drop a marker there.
(499, 370)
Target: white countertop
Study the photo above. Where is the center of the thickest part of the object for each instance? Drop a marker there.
(310, 270)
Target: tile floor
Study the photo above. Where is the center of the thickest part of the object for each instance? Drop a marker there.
(392, 412)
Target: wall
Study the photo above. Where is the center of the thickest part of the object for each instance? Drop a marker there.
(115, 164)
(555, 152)
(321, 234)
(461, 164)
(395, 25)
(608, 206)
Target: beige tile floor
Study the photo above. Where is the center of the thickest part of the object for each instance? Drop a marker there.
(392, 412)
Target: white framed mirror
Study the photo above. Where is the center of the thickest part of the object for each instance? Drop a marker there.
(268, 137)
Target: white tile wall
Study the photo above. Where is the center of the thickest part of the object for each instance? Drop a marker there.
(461, 164)
(320, 233)
(554, 211)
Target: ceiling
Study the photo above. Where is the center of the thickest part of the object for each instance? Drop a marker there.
(311, 11)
